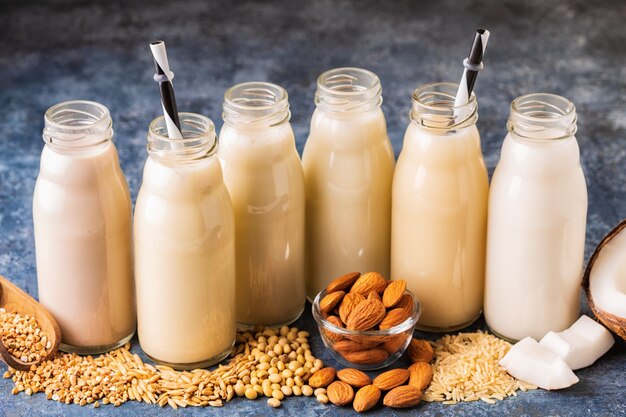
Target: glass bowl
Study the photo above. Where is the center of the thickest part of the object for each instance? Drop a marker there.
(369, 349)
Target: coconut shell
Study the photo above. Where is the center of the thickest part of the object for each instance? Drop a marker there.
(614, 323)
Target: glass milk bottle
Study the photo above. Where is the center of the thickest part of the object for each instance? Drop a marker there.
(264, 177)
(537, 216)
(348, 168)
(82, 221)
(439, 216)
(184, 248)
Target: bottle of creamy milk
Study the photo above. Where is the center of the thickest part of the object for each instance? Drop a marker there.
(439, 217)
(82, 221)
(537, 218)
(348, 168)
(184, 248)
(263, 174)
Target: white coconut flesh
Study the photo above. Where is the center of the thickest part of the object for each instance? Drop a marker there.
(580, 345)
(528, 361)
(607, 281)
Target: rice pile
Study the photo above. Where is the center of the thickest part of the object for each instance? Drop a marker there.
(466, 369)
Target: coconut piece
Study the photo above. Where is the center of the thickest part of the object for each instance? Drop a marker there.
(530, 362)
(605, 280)
(580, 345)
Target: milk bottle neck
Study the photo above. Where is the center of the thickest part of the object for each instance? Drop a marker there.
(348, 92)
(433, 109)
(542, 118)
(198, 144)
(77, 126)
(256, 106)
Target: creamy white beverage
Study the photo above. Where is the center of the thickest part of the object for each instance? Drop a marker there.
(264, 177)
(348, 168)
(82, 222)
(184, 249)
(439, 214)
(537, 218)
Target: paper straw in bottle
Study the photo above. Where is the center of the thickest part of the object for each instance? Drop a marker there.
(168, 100)
(473, 64)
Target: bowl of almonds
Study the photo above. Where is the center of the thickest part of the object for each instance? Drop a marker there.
(366, 321)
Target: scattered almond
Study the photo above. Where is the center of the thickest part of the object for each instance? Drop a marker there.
(366, 314)
(343, 282)
(403, 397)
(354, 377)
(420, 375)
(348, 303)
(393, 293)
(340, 393)
(322, 378)
(366, 398)
(420, 351)
(366, 357)
(393, 318)
(370, 281)
(391, 379)
(406, 302)
(330, 301)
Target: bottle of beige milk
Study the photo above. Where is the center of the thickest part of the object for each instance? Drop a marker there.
(537, 218)
(82, 220)
(264, 177)
(184, 248)
(348, 169)
(439, 216)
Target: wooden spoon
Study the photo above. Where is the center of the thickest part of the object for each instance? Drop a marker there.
(14, 299)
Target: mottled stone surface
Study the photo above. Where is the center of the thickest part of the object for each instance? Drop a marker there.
(56, 51)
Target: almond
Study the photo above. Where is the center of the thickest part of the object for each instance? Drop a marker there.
(353, 346)
(393, 293)
(391, 379)
(375, 295)
(371, 281)
(366, 398)
(329, 333)
(420, 375)
(403, 397)
(343, 282)
(340, 393)
(366, 357)
(420, 351)
(395, 343)
(406, 302)
(322, 378)
(330, 301)
(348, 303)
(366, 315)
(393, 318)
(354, 377)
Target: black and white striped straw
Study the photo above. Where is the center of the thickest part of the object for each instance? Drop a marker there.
(473, 64)
(164, 77)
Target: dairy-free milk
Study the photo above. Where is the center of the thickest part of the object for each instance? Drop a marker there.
(184, 249)
(264, 177)
(537, 212)
(82, 222)
(439, 214)
(348, 168)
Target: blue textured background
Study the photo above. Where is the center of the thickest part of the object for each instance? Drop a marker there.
(72, 49)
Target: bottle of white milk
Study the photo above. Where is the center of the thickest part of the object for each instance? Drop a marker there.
(537, 218)
(348, 169)
(82, 220)
(439, 216)
(184, 248)
(263, 174)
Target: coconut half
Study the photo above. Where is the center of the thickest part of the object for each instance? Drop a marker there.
(605, 280)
